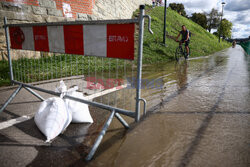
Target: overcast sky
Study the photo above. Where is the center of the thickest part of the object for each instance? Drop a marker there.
(236, 11)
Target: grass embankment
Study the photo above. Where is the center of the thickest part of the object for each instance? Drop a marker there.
(48, 67)
(202, 42)
(57, 66)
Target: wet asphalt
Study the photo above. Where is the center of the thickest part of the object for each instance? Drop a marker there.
(198, 114)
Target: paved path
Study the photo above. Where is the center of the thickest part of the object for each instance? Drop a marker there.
(198, 117)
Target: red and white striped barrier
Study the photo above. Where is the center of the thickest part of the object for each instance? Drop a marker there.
(111, 40)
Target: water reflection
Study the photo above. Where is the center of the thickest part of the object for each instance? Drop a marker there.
(181, 73)
(201, 116)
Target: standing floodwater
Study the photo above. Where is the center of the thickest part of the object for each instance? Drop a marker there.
(200, 116)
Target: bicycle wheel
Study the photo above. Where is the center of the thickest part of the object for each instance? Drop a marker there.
(185, 52)
(178, 53)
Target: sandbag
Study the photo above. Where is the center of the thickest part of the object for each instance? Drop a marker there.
(80, 111)
(62, 88)
(52, 117)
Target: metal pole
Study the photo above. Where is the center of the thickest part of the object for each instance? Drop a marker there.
(95, 104)
(34, 93)
(92, 22)
(139, 63)
(121, 120)
(164, 29)
(8, 48)
(220, 25)
(99, 139)
(221, 21)
(222, 15)
(11, 97)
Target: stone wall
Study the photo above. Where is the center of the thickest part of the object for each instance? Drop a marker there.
(117, 9)
(23, 11)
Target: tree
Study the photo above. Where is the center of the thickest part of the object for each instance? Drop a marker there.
(225, 29)
(216, 33)
(179, 8)
(213, 19)
(200, 19)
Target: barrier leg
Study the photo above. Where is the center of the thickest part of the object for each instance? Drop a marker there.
(34, 93)
(139, 63)
(11, 98)
(8, 49)
(99, 139)
(122, 121)
(145, 105)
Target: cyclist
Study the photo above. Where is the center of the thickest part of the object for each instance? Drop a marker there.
(234, 43)
(185, 38)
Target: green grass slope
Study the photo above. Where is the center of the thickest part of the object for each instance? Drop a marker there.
(202, 42)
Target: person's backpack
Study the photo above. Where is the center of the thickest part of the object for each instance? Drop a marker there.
(190, 34)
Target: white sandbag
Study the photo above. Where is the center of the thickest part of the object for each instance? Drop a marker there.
(52, 117)
(80, 111)
(62, 88)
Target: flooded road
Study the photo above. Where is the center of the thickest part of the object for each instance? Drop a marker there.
(199, 117)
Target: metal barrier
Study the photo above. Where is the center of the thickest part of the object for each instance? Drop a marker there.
(116, 41)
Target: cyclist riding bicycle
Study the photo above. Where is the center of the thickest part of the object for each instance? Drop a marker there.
(234, 44)
(185, 38)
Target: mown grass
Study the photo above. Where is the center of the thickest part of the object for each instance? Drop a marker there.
(202, 42)
(57, 66)
(60, 66)
(4, 74)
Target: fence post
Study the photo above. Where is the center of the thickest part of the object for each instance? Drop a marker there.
(8, 48)
(139, 62)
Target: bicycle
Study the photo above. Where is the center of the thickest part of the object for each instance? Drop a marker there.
(180, 52)
(233, 44)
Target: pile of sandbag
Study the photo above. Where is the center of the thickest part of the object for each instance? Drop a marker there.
(55, 114)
